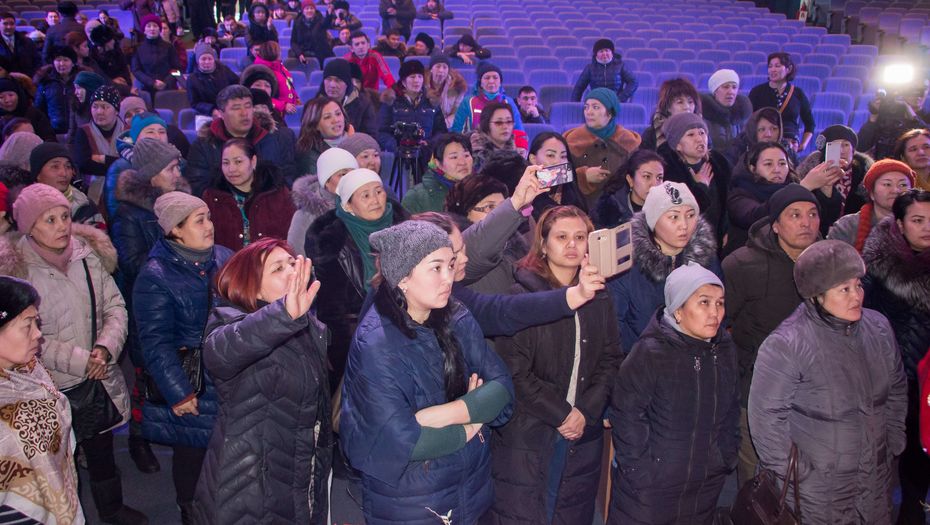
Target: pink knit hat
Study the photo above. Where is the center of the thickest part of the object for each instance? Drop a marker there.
(33, 201)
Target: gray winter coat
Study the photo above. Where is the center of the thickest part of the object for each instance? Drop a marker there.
(838, 391)
(493, 245)
(311, 201)
(724, 124)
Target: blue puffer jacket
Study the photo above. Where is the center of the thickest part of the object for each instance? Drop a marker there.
(53, 96)
(638, 293)
(613, 75)
(170, 303)
(388, 379)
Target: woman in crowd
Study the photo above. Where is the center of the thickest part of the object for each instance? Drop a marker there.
(108, 54)
(885, 181)
(764, 125)
(266, 354)
(689, 160)
(601, 145)
(83, 327)
(250, 201)
(209, 78)
(724, 108)
(452, 161)
(669, 232)
(17, 147)
(420, 386)
(606, 70)
(495, 132)
(626, 190)
(551, 149)
(261, 29)
(324, 124)
(15, 103)
(913, 148)
(407, 102)
(55, 87)
(79, 42)
(546, 460)
(897, 255)
(489, 88)
(286, 100)
(466, 51)
(39, 454)
(338, 242)
(50, 163)
(154, 59)
(315, 195)
(171, 301)
(367, 153)
(445, 87)
(675, 408)
(171, 37)
(94, 143)
(676, 95)
(85, 83)
(309, 36)
(829, 380)
(853, 163)
(790, 100)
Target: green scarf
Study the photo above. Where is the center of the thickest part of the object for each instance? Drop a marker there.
(604, 133)
(360, 229)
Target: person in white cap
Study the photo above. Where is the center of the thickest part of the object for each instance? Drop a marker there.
(315, 195)
(337, 242)
(725, 110)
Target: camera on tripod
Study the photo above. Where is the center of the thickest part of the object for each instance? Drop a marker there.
(409, 137)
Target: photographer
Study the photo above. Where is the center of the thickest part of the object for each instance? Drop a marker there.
(407, 103)
(892, 114)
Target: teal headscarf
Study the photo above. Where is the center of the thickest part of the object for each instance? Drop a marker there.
(360, 229)
(609, 99)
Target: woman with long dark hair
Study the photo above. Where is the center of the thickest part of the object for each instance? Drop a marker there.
(323, 124)
(249, 201)
(267, 355)
(625, 191)
(546, 460)
(420, 386)
(550, 149)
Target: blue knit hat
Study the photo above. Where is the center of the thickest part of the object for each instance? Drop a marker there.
(607, 97)
(143, 121)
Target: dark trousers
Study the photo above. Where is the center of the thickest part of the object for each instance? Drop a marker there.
(185, 471)
(99, 453)
(914, 465)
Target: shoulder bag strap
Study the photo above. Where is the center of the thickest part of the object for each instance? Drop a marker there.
(784, 104)
(791, 476)
(93, 304)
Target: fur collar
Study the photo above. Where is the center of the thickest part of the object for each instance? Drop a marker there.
(891, 260)
(329, 235)
(454, 83)
(482, 142)
(308, 194)
(655, 265)
(134, 189)
(580, 139)
(14, 264)
(715, 112)
(861, 163)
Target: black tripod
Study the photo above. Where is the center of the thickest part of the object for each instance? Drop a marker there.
(406, 168)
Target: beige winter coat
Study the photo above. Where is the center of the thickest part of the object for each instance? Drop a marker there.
(65, 309)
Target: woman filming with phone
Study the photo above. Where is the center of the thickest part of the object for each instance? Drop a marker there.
(550, 149)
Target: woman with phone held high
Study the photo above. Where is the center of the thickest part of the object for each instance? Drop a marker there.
(546, 460)
(550, 149)
(625, 192)
(421, 386)
(669, 232)
(854, 164)
(267, 355)
(601, 145)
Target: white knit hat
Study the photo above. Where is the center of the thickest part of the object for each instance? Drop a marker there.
(352, 181)
(721, 77)
(664, 196)
(331, 161)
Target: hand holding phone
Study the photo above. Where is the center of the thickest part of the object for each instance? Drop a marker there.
(834, 148)
(554, 175)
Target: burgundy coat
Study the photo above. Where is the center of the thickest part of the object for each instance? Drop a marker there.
(269, 214)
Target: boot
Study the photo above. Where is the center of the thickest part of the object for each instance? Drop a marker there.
(187, 512)
(141, 453)
(108, 497)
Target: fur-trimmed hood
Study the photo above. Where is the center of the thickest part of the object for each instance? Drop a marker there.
(138, 191)
(262, 124)
(309, 195)
(13, 263)
(861, 162)
(481, 142)
(655, 265)
(715, 112)
(891, 260)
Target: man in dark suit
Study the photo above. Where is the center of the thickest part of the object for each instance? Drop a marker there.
(17, 47)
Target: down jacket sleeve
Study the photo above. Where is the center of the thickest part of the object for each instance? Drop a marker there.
(239, 343)
(485, 240)
(483, 361)
(113, 325)
(508, 314)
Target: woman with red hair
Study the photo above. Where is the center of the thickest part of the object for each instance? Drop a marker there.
(269, 54)
(267, 356)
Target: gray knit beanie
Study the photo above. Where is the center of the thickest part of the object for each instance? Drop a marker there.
(403, 246)
(359, 142)
(682, 283)
(678, 124)
(150, 156)
(173, 207)
(825, 264)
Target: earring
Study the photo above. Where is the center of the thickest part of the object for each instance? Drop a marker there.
(403, 291)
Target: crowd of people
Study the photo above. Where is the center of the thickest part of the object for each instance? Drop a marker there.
(446, 348)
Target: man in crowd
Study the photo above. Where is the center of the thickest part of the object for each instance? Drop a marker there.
(374, 68)
(17, 47)
(530, 111)
(397, 14)
(337, 84)
(55, 37)
(392, 45)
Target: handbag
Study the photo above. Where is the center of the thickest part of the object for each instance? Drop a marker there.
(191, 362)
(760, 503)
(92, 409)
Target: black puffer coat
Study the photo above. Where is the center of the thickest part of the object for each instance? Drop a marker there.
(338, 265)
(898, 286)
(271, 450)
(309, 37)
(53, 96)
(675, 417)
(837, 390)
(541, 360)
(202, 88)
(712, 199)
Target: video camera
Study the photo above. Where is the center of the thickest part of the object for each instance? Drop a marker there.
(409, 136)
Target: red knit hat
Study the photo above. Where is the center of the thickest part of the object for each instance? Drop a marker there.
(520, 139)
(4, 191)
(887, 166)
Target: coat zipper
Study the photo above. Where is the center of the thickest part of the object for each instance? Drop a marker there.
(710, 442)
(697, 412)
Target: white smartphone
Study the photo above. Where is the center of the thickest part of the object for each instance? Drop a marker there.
(833, 151)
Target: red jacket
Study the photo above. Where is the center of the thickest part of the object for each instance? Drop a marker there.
(374, 68)
(269, 214)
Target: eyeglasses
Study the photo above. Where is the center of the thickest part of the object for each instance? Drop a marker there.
(487, 208)
(502, 122)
